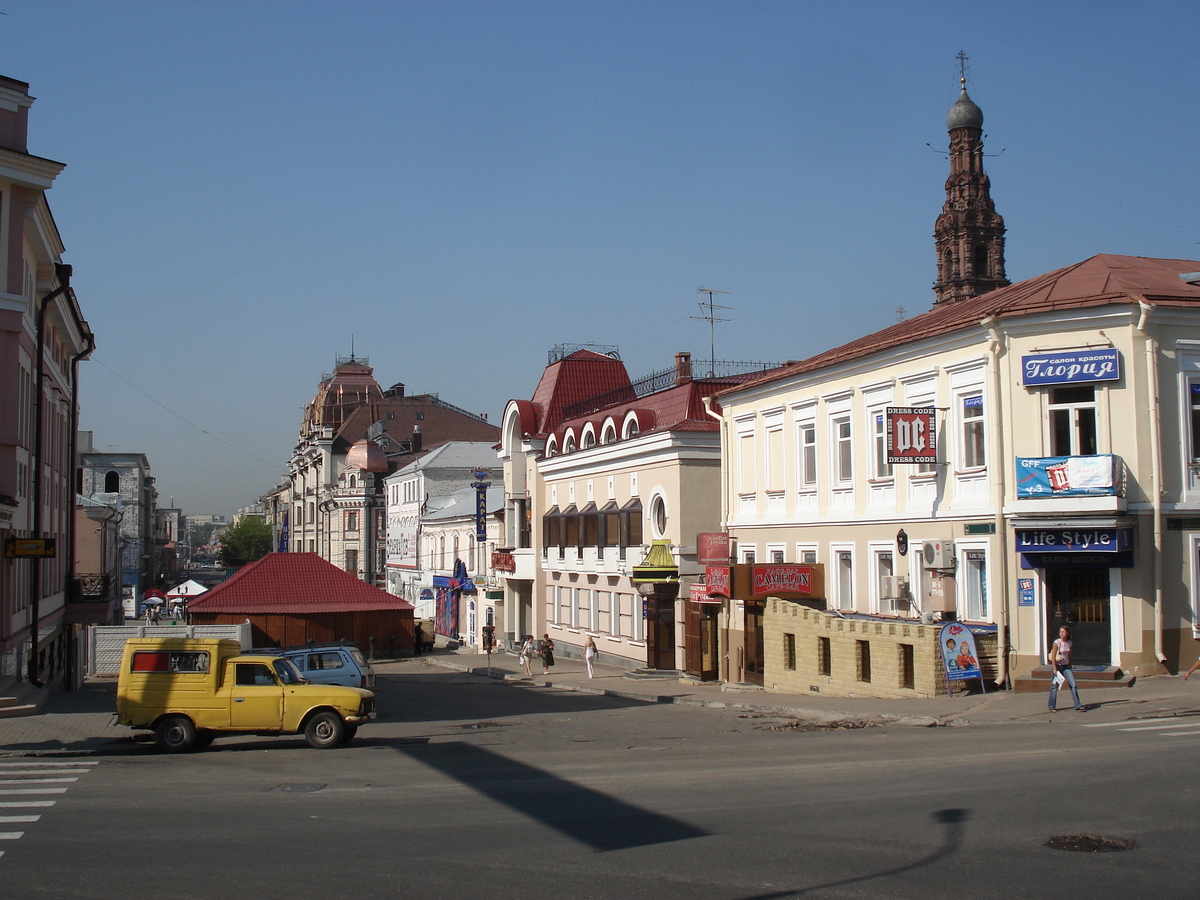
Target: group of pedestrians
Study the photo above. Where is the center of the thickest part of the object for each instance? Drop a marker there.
(544, 650)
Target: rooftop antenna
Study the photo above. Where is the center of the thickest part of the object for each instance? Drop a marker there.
(712, 318)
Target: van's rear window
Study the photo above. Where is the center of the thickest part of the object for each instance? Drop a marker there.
(170, 661)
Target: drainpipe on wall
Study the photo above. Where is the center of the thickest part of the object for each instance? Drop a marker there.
(1155, 475)
(727, 604)
(996, 451)
(73, 443)
(63, 274)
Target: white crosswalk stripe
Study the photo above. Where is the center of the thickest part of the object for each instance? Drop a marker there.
(1159, 726)
(27, 774)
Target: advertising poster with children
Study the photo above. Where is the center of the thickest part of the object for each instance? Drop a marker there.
(958, 652)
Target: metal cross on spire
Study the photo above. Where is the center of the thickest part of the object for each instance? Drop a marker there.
(962, 67)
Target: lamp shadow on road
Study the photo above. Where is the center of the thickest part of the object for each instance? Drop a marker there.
(590, 817)
(952, 821)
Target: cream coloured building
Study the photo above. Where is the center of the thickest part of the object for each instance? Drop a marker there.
(1062, 487)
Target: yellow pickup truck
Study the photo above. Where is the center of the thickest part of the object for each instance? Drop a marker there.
(190, 690)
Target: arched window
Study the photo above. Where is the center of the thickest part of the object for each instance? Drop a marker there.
(631, 428)
(353, 481)
(609, 435)
(112, 483)
(569, 444)
(981, 261)
(948, 263)
(589, 439)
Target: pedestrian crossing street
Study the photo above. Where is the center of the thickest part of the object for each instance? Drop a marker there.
(27, 785)
(1161, 726)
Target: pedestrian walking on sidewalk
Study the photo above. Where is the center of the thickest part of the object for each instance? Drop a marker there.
(1195, 637)
(1060, 661)
(589, 655)
(547, 654)
(528, 649)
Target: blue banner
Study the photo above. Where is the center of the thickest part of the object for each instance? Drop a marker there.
(1075, 367)
(1067, 476)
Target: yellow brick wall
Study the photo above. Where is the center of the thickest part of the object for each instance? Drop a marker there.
(884, 638)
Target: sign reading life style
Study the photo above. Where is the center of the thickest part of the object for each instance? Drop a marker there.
(1073, 367)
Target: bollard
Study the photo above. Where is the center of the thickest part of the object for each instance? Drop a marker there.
(371, 652)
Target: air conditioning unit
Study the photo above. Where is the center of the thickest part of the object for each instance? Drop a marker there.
(937, 554)
(895, 587)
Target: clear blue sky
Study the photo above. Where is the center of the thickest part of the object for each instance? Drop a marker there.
(459, 186)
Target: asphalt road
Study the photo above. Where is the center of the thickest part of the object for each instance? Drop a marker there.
(474, 789)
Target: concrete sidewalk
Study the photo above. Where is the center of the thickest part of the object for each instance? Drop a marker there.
(1146, 698)
(83, 722)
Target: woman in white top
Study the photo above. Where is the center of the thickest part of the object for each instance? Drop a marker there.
(589, 655)
(528, 651)
(1060, 661)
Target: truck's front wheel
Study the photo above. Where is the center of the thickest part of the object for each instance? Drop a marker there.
(175, 734)
(325, 730)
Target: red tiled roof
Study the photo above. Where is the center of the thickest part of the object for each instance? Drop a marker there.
(579, 376)
(294, 583)
(1103, 280)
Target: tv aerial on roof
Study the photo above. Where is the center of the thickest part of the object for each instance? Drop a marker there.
(712, 317)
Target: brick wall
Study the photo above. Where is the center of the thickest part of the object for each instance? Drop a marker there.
(887, 652)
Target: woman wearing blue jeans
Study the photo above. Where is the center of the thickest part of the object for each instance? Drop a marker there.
(1060, 660)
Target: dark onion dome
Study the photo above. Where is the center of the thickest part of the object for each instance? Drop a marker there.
(964, 113)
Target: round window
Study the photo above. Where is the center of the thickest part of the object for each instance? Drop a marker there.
(658, 516)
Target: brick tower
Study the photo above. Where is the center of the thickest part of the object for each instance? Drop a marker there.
(969, 234)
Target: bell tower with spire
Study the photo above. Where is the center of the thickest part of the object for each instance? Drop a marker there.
(969, 234)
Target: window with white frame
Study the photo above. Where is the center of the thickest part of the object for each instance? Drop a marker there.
(551, 603)
(747, 553)
(806, 554)
(844, 569)
(624, 603)
(843, 450)
(565, 597)
(881, 469)
(974, 578)
(1071, 420)
(775, 552)
(774, 463)
(970, 411)
(806, 441)
(1193, 390)
(581, 612)
(884, 569)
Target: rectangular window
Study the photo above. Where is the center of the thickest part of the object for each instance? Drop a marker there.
(843, 450)
(603, 620)
(351, 521)
(625, 614)
(863, 662)
(907, 667)
(565, 597)
(879, 425)
(775, 460)
(824, 656)
(1072, 420)
(845, 576)
(1194, 414)
(808, 456)
(883, 571)
(974, 454)
(976, 586)
(789, 651)
(352, 561)
(746, 480)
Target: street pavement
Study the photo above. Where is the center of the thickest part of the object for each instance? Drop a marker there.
(83, 722)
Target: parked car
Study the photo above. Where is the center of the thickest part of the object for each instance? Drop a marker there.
(336, 663)
(189, 690)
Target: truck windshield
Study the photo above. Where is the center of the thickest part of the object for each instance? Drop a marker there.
(287, 672)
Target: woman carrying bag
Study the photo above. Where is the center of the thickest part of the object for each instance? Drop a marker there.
(1060, 661)
(547, 654)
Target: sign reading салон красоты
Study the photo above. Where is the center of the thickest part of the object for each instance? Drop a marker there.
(1071, 367)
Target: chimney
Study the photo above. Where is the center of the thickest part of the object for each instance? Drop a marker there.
(683, 368)
(416, 439)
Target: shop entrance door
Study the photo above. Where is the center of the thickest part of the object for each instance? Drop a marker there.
(1079, 599)
(660, 629)
(700, 641)
(754, 643)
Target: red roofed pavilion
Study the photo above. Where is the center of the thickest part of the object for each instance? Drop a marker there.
(299, 598)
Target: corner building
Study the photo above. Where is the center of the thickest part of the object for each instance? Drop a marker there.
(1064, 486)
